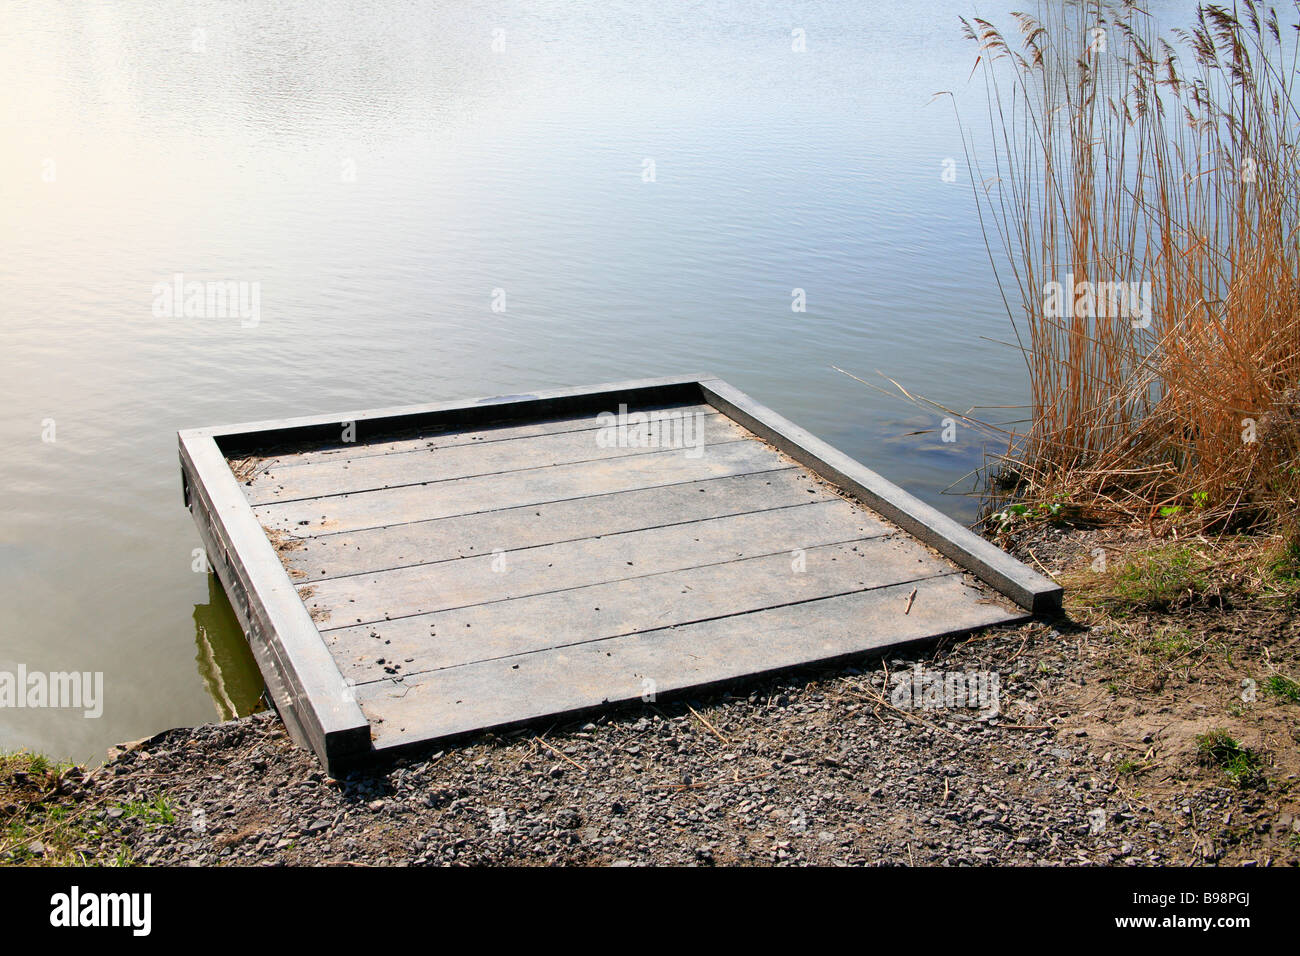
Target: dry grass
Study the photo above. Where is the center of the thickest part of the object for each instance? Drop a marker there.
(1167, 164)
(39, 823)
(1223, 571)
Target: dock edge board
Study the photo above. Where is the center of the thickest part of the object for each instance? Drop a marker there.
(317, 704)
(985, 560)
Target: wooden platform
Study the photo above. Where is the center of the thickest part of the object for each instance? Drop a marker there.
(405, 575)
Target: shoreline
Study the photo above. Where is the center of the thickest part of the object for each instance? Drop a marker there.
(1092, 758)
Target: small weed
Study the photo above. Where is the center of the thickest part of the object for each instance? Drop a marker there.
(1243, 769)
(1158, 579)
(1169, 645)
(1283, 688)
(153, 812)
(1013, 516)
(39, 824)
(1286, 565)
(1218, 748)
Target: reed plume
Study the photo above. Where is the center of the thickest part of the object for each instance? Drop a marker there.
(1141, 196)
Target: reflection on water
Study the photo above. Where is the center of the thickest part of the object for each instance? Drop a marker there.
(225, 663)
(379, 169)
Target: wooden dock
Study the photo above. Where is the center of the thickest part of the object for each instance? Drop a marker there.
(405, 575)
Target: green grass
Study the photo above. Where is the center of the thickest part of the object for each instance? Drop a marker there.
(31, 811)
(1231, 570)
(1167, 645)
(1286, 565)
(1243, 769)
(29, 763)
(1158, 579)
(1283, 688)
(155, 812)
(123, 857)
(1218, 748)
(35, 808)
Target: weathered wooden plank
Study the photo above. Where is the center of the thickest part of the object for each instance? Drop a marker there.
(248, 437)
(1025, 586)
(592, 571)
(361, 599)
(450, 435)
(298, 668)
(460, 496)
(443, 539)
(572, 679)
(289, 480)
(414, 645)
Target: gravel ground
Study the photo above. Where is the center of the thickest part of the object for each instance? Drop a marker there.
(813, 768)
(1090, 758)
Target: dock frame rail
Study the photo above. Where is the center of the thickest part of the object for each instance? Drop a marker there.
(318, 706)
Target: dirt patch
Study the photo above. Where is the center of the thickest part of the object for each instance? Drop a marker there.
(284, 543)
(318, 613)
(1218, 657)
(246, 470)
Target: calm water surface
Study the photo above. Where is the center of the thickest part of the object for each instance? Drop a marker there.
(379, 169)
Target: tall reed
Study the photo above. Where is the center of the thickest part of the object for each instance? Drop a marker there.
(1156, 177)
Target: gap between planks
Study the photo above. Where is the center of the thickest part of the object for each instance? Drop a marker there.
(310, 582)
(389, 595)
(285, 480)
(355, 648)
(464, 536)
(368, 510)
(488, 694)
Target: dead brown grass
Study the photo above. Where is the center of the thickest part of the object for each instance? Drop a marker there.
(1155, 179)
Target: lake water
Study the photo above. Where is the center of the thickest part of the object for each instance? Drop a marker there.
(647, 184)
